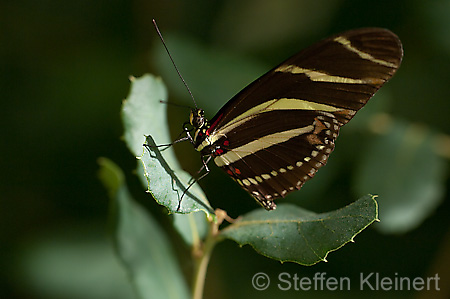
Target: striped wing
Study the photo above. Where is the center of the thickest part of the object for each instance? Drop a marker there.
(278, 131)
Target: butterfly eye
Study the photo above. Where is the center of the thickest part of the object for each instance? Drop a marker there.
(191, 117)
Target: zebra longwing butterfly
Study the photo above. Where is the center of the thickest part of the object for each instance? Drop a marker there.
(277, 132)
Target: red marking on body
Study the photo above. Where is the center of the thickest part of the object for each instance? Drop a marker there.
(214, 124)
(226, 143)
(219, 151)
(237, 171)
(229, 172)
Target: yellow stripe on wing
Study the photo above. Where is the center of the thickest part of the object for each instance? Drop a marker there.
(271, 105)
(364, 55)
(317, 76)
(260, 144)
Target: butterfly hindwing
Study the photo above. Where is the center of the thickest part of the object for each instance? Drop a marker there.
(280, 167)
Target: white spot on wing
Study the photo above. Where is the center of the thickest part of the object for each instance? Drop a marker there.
(265, 176)
(253, 181)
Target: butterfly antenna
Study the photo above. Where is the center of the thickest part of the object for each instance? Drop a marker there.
(173, 62)
(176, 105)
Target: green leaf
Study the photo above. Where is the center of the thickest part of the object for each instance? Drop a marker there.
(143, 114)
(403, 167)
(168, 186)
(140, 243)
(111, 176)
(293, 234)
(192, 227)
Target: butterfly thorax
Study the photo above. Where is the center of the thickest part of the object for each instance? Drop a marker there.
(200, 126)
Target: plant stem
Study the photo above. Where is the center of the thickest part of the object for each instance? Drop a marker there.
(201, 258)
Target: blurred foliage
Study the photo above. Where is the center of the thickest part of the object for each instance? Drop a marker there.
(65, 69)
(140, 243)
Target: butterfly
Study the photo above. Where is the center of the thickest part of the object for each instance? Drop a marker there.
(278, 131)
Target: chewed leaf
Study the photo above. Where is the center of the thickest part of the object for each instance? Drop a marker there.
(293, 234)
(144, 115)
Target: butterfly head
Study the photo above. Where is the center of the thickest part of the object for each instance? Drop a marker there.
(197, 118)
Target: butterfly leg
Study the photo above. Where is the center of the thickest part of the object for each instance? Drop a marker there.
(179, 139)
(204, 166)
(193, 180)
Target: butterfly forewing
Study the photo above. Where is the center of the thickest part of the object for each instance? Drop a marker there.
(277, 132)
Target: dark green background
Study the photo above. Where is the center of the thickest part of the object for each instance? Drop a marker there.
(64, 72)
